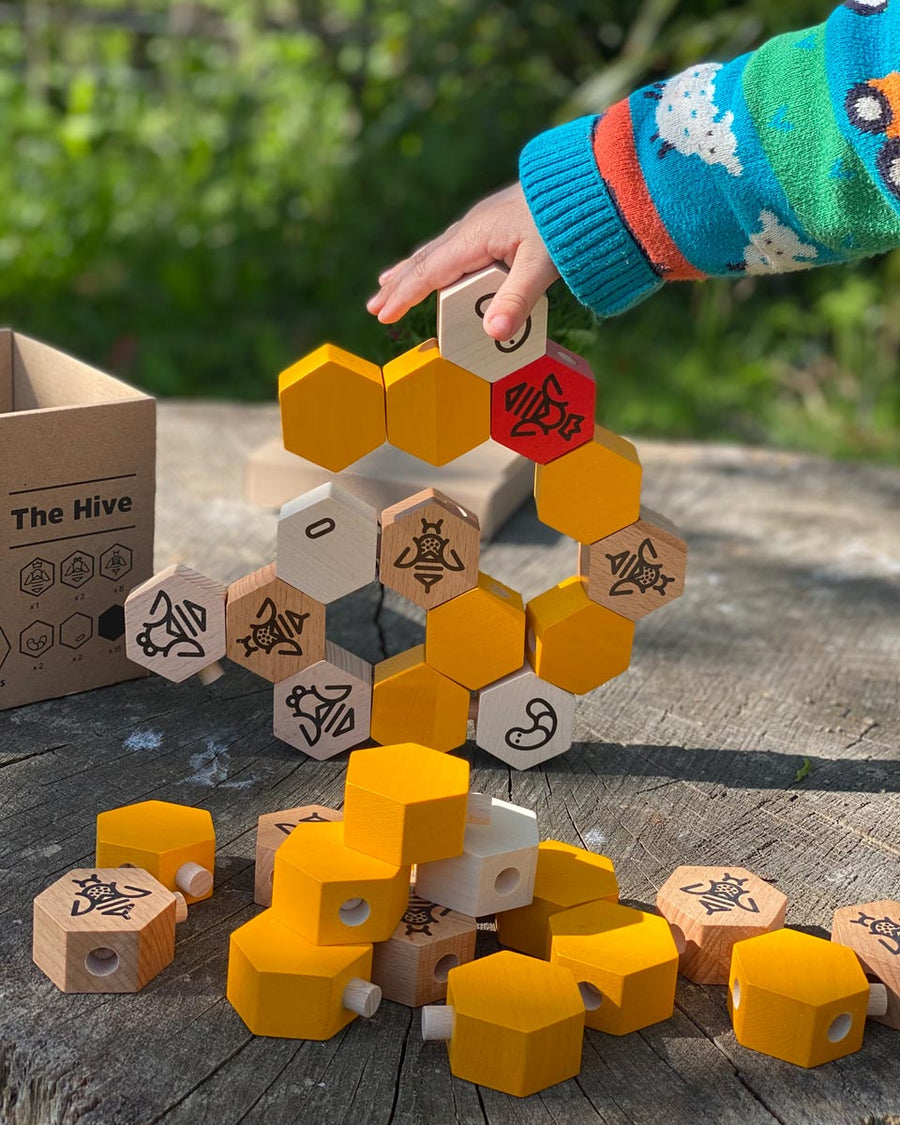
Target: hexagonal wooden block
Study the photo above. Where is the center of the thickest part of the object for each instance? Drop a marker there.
(797, 997)
(479, 636)
(326, 708)
(272, 830)
(98, 929)
(711, 908)
(429, 548)
(272, 628)
(573, 642)
(461, 334)
(327, 543)
(413, 702)
(496, 870)
(637, 569)
(331, 894)
(175, 623)
(524, 720)
(281, 985)
(547, 408)
(625, 963)
(412, 966)
(872, 931)
(591, 491)
(513, 1023)
(174, 843)
(435, 410)
(565, 877)
(406, 804)
(332, 407)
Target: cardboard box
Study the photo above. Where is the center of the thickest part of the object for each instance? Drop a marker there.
(78, 480)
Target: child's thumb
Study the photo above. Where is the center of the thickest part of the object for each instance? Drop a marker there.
(531, 273)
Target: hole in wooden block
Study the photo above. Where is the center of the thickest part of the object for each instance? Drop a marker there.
(507, 881)
(736, 993)
(442, 968)
(591, 996)
(679, 938)
(354, 911)
(102, 961)
(840, 1027)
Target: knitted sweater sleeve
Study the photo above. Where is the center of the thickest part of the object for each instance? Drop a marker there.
(784, 159)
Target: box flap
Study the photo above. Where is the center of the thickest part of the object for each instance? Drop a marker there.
(45, 379)
(6, 371)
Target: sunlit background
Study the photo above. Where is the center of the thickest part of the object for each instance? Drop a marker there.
(192, 195)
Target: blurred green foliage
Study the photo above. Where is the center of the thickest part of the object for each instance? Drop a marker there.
(194, 194)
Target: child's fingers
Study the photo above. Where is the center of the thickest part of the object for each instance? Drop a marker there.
(435, 266)
(531, 273)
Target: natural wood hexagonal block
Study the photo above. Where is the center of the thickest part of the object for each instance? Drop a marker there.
(332, 407)
(273, 629)
(523, 720)
(413, 702)
(591, 491)
(872, 931)
(637, 569)
(461, 334)
(272, 830)
(98, 929)
(429, 548)
(326, 708)
(327, 542)
(711, 908)
(436, 410)
(479, 636)
(573, 642)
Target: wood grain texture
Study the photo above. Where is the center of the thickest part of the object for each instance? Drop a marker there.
(784, 647)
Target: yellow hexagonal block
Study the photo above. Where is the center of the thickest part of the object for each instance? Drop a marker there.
(435, 410)
(332, 407)
(591, 491)
(406, 804)
(175, 843)
(283, 986)
(797, 997)
(573, 642)
(625, 963)
(331, 894)
(566, 876)
(477, 637)
(413, 702)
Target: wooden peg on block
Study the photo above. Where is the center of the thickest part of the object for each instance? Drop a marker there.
(413, 702)
(479, 808)
(175, 843)
(175, 625)
(283, 986)
(271, 831)
(272, 628)
(99, 929)
(511, 1023)
(524, 720)
(711, 908)
(461, 334)
(429, 548)
(872, 931)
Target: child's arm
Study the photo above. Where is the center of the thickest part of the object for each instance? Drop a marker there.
(783, 159)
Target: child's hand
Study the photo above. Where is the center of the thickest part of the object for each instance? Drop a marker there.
(499, 229)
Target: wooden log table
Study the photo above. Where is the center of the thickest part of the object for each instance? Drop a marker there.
(759, 725)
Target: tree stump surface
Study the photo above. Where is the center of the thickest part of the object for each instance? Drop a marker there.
(759, 725)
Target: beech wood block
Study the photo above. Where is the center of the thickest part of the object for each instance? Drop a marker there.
(524, 720)
(514, 1024)
(175, 623)
(872, 931)
(99, 929)
(496, 870)
(271, 831)
(273, 629)
(413, 702)
(711, 908)
(285, 987)
(327, 543)
(429, 548)
(461, 334)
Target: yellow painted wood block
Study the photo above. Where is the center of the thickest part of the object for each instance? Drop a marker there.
(331, 894)
(413, 702)
(436, 410)
(591, 491)
(281, 985)
(272, 829)
(478, 637)
(406, 803)
(624, 960)
(175, 843)
(566, 876)
(332, 407)
(872, 931)
(519, 1023)
(797, 997)
(573, 642)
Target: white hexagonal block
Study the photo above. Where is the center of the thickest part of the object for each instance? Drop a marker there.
(523, 720)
